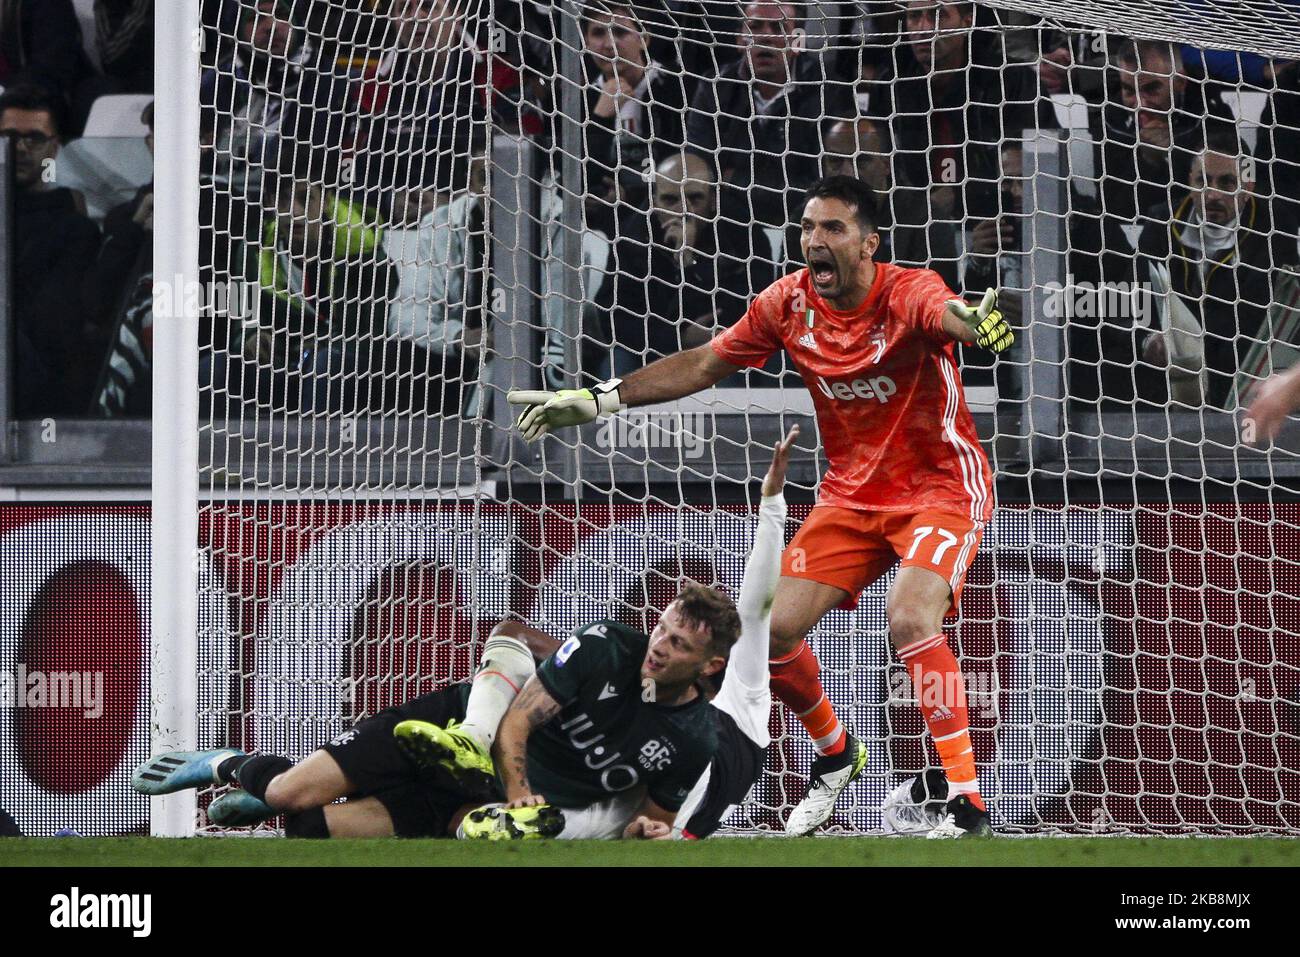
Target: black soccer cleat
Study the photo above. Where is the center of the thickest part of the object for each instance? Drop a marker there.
(962, 818)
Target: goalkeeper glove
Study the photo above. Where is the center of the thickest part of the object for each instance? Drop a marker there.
(991, 330)
(549, 410)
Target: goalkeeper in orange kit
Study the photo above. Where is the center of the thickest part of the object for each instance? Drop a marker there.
(908, 481)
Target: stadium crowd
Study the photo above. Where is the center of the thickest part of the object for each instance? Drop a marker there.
(343, 180)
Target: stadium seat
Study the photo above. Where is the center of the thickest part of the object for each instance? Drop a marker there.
(118, 116)
(106, 170)
(776, 240)
(1072, 114)
(1247, 108)
(86, 20)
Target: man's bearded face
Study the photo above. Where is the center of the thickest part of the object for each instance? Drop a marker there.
(682, 207)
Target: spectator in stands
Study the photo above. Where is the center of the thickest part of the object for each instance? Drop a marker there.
(1146, 134)
(691, 275)
(861, 148)
(560, 315)
(701, 28)
(437, 320)
(124, 37)
(54, 244)
(420, 99)
(40, 46)
(1279, 135)
(1161, 108)
(863, 41)
(118, 298)
(1072, 60)
(993, 248)
(1146, 143)
(760, 122)
(635, 107)
(266, 100)
(323, 283)
(953, 101)
(1217, 257)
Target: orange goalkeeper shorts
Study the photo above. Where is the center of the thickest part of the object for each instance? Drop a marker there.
(850, 549)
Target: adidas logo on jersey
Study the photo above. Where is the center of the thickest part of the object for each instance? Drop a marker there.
(807, 341)
(878, 387)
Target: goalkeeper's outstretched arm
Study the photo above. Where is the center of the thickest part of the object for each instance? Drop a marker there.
(675, 376)
(672, 377)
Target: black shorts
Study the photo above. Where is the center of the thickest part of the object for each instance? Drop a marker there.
(421, 804)
(736, 765)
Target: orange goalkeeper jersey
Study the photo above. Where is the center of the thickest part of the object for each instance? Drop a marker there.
(889, 401)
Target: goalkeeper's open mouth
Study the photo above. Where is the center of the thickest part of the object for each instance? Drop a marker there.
(823, 270)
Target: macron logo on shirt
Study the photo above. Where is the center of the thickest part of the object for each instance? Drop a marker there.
(878, 387)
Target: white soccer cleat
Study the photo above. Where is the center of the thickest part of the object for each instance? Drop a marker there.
(827, 780)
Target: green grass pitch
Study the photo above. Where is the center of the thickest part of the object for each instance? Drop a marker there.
(822, 852)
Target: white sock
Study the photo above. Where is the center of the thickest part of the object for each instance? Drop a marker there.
(963, 787)
(506, 665)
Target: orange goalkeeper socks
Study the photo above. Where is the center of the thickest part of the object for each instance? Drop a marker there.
(797, 685)
(941, 695)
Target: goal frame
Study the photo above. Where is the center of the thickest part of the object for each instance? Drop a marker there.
(173, 672)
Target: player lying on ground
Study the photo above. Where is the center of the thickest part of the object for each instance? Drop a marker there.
(617, 729)
(744, 705)
(907, 479)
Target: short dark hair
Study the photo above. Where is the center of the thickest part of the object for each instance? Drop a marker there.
(709, 607)
(590, 11)
(1134, 54)
(799, 20)
(850, 190)
(1221, 137)
(249, 10)
(34, 99)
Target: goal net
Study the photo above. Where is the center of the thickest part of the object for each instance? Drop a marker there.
(409, 208)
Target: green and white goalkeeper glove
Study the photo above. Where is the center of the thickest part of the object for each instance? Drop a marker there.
(991, 330)
(551, 410)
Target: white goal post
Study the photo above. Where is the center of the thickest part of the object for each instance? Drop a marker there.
(173, 673)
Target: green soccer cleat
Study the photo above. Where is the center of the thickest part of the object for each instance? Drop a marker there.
(174, 771)
(449, 748)
(493, 822)
(239, 809)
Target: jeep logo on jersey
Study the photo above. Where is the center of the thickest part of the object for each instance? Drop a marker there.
(878, 387)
